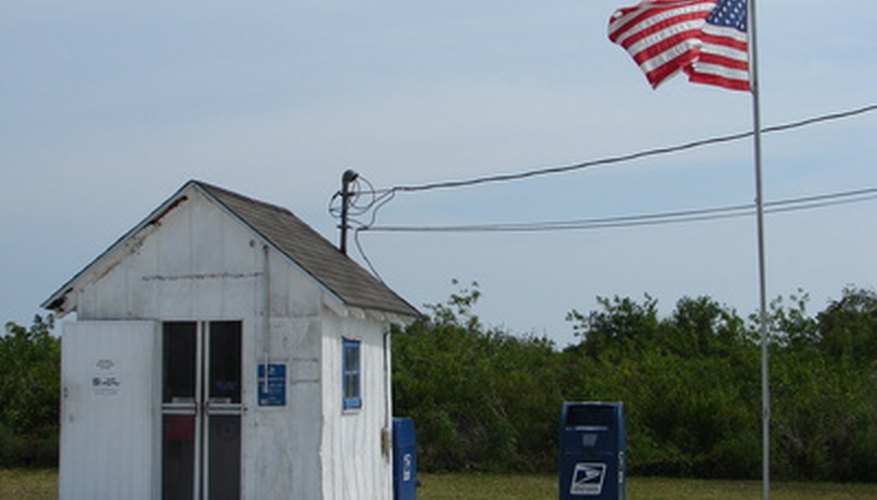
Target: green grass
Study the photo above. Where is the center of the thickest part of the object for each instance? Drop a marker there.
(21, 484)
(536, 487)
(26, 484)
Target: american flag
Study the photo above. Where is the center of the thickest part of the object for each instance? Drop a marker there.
(704, 38)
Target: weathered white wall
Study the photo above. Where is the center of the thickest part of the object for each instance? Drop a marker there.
(355, 465)
(194, 263)
(110, 387)
(197, 263)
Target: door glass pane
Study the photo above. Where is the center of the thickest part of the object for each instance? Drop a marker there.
(225, 457)
(178, 457)
(178, 380)
(225, 362)
(201, 443)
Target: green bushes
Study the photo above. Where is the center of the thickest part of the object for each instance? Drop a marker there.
(30, 360)
(486, 400)
(482, 399)
(28, 450)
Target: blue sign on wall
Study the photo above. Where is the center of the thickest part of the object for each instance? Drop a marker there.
(272, 393)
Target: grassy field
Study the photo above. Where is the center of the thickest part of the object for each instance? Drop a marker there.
(28, 484)
(524, 487)
(43, 484)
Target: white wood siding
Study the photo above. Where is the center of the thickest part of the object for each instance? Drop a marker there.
(355, 466)
(282, 457)
(110, 426)
(199, 263)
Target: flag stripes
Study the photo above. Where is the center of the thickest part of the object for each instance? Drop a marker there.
(723, 60)
(703, 38)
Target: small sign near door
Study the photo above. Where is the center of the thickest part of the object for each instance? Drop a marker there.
(272, 390)
(105, 385)
(105, 382)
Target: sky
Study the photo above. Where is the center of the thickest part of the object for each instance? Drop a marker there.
(108, 107)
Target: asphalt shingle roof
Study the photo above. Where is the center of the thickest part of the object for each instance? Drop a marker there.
(336, 272)
(316, 255)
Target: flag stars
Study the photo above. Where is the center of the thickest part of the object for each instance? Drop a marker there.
(705, 39)
(731, 13)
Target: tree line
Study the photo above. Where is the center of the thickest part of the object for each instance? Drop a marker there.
(30, 376)
(484, 399)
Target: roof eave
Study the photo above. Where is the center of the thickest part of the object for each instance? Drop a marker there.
(60, 303)
(58, 300)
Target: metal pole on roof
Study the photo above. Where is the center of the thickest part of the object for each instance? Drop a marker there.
(346, 179)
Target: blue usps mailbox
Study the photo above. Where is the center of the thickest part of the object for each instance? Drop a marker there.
(593, 449)
(404, 459)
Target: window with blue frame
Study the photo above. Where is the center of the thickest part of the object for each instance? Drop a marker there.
(351, 374)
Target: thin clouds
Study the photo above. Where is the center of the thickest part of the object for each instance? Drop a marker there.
(108, 104)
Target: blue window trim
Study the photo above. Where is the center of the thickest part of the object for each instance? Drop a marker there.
(351, 395)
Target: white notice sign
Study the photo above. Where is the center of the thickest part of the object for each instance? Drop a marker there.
(105, 384)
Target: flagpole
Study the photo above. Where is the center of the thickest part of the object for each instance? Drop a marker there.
(762, 274)
(641, 31)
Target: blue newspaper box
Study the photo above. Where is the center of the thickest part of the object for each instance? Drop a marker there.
(404, 459)
(593, 449)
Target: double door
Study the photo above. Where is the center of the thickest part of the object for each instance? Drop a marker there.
(201, 410)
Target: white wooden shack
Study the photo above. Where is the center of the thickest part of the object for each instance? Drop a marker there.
(223, 349)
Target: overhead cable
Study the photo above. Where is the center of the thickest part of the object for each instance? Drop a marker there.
(625, 157)
(693, 215)
(371, 200)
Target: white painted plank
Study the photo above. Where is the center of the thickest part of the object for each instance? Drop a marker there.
(109, 412)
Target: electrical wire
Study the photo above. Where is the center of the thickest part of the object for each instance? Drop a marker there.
(378, 198)
(627, 157)
(371, 200)
(693, 215)
(356, 207)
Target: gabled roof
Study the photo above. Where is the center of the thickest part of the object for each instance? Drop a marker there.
(297, 241)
